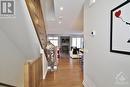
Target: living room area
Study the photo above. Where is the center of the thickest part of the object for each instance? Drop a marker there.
(70, 45)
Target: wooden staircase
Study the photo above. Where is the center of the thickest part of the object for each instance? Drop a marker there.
(33, 73)
(33, 68)
(35, 10)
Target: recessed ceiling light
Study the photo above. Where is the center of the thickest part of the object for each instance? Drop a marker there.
(59, 22)
(60, 17)
(61, 8)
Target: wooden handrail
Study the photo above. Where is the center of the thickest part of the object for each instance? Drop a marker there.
(7, 85)
(33, 73)
(35, 10)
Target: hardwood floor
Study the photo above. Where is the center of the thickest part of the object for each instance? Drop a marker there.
(69, 74)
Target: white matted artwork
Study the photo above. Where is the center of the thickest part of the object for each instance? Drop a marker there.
(120, 29)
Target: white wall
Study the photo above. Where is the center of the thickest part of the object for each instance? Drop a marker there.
(101, 67)
(18, 42)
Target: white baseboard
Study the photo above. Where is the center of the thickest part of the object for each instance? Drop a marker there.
(85, 83)
(44, 76)
(88, 83)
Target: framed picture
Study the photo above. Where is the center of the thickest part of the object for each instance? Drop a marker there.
(120, 29)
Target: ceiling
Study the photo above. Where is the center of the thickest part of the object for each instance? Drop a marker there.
(70, 18)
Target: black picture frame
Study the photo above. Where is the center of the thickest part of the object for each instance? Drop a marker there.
(113, 47)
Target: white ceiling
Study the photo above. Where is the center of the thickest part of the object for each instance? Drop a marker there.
(72, 16)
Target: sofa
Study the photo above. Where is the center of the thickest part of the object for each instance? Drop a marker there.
(74, 52)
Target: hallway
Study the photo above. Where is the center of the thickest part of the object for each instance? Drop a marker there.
(69, 74)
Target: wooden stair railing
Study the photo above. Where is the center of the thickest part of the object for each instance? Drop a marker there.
(5, 85)
(37, 16)
(33, 73)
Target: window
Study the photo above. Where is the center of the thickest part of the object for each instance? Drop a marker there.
(77, 42)
(74, 42)
(53, 40)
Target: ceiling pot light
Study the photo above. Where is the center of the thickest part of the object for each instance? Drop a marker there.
(60, 17)
(59, 22)
(61, 8)
(91, 2)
